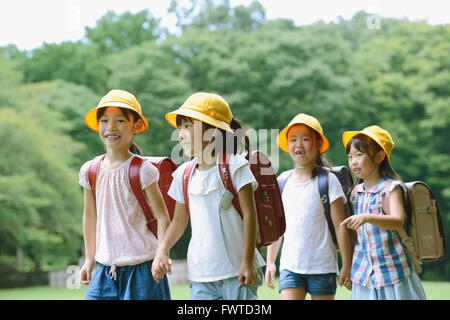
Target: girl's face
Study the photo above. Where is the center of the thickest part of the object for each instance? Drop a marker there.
(361, 164)
(302, 145)
(115, 130)
(190, 137)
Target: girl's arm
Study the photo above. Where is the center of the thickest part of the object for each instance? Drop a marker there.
(247, 273)
(89, 233)
(161, 262)
(343, 238)
(159, 208)
(393, 220)
(272, 252)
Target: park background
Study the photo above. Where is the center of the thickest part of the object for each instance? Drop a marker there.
(350, 73)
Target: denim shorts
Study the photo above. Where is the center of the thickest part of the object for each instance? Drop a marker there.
(131, 283)
(226, 289)
(315, 284)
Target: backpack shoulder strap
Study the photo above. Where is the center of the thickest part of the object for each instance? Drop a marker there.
(322, 181)
(186, 177)
(135, 183)
(93, 172)
(225, 176)
(283, 178)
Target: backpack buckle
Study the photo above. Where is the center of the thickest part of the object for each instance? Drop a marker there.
(265, 196)
(225, 174)
(324, 199)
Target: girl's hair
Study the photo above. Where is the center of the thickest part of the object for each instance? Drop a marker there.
(367, 145)
(321, 160)
(127, 113)
(238, 141)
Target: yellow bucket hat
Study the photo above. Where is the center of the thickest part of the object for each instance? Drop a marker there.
(377, 134)
(305, 119)
(207, 107)
(115, 98)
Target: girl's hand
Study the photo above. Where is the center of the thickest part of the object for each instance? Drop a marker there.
(344, 278)
(355, 221)
(161, 265)
(271, 268)
(247, 274)
(86, 271)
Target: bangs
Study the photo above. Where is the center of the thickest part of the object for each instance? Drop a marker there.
(127, 113)
(180, 118)
(364, 144)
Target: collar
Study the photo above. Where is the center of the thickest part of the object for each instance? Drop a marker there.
(375, 189)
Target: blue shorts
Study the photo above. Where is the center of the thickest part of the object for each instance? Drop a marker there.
(315, 284)
(131, 283)
(226, 289)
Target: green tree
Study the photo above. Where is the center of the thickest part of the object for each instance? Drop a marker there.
(114, 32)
(41, 206)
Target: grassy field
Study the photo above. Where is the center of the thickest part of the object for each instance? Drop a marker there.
(434, 291)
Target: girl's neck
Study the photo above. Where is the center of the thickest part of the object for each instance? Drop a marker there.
(115, 157)
(372, 179)
(205, 162)
(304, 173)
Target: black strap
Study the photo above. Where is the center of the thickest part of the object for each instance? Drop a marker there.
(322, 180)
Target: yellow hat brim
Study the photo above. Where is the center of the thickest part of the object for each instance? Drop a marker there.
(347, 135)
(282, 138)
(91, 117)
(171, 117)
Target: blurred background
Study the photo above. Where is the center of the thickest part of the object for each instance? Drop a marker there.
(349, 67)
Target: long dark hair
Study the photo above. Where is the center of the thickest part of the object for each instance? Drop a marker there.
(127, 113)
(237, 142)
(367, 145)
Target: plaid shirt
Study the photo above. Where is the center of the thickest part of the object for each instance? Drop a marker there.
(378, 253)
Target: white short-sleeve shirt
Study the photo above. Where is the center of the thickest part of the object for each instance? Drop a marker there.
(122, 235)
(217, 242)
(308, 247)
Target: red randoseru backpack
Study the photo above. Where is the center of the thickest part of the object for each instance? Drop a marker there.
(269, 206)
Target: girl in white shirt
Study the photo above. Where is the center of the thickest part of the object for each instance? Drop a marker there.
(114, 226)
(308, 261)
(223, 262)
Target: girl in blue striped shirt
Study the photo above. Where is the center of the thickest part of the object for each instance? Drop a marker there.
(381, 268)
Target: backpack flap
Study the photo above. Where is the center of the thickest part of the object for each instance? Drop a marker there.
(269, 205)
(424, 224)
(166, 166)
(345, 178)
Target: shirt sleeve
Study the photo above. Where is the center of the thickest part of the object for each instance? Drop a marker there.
(176, 187)
(335, 189)
(83, 175)
(393, 184)
(241, 173)
(149, 174)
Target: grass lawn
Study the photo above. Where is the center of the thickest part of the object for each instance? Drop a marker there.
(434, 291)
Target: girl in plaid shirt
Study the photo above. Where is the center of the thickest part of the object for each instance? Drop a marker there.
(381, 269)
